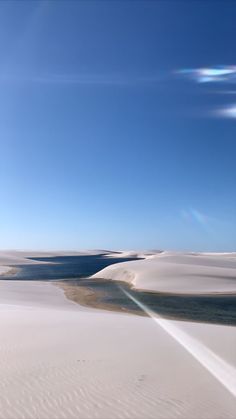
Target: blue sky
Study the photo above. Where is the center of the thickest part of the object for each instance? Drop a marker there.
(110, 137)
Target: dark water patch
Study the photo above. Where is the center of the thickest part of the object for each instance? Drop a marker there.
(61, 267)
(217, 309)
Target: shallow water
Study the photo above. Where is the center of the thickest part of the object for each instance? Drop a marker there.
(64, 267)
(219, 309)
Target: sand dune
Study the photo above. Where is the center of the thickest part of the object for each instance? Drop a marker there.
(134, 253)
(60, 361)
(178, 272)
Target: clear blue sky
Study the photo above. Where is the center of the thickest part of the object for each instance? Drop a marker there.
(103, 143)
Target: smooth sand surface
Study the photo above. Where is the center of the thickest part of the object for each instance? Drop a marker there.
(32, 294)
(173, 272)
(59, 360)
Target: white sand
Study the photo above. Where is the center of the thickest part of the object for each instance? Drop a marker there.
(133, 253)
(178, 272)
(4, 269)
(58, 360)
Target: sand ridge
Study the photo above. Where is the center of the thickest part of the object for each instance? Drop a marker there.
(178, 272)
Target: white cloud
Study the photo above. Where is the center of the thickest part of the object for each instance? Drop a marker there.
(210, 74)
(227, 112)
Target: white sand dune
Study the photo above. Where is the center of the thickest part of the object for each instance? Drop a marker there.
(58, 360)
(19, 257)
(178, 272)
(133, 253)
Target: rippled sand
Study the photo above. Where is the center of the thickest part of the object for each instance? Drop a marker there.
(59, 360)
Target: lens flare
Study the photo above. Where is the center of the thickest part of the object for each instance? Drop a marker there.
(220, 369)
(198, 216)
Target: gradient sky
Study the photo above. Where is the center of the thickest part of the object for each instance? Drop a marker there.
(106, 140)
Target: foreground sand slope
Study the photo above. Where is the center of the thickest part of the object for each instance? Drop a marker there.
(178, 272)
(60, 361)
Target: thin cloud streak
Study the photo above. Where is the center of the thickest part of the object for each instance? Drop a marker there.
(227, 112)
(82, 79)
(224, 92)
(223, 74)
(220, 74)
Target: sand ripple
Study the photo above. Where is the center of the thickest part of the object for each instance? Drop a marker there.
(61, 364)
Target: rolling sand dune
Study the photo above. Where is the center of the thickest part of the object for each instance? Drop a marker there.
(178, 272)
(59, 360)
(134, 253)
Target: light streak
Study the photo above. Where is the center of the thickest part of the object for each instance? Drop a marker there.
(218, 367)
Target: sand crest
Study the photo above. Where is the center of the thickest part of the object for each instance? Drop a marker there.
(185, 273)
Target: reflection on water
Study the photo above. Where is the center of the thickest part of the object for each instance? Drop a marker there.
(220, 309)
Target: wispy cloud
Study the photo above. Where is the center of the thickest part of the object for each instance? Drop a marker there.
(227, 112)
(221, 74)
(82, 79)
(223, 92)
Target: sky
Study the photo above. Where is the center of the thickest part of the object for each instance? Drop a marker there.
(118, 125)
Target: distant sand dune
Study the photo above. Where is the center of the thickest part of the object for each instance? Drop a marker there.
(178, 273)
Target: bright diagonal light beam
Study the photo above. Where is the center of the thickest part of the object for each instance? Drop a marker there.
(220, 369)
